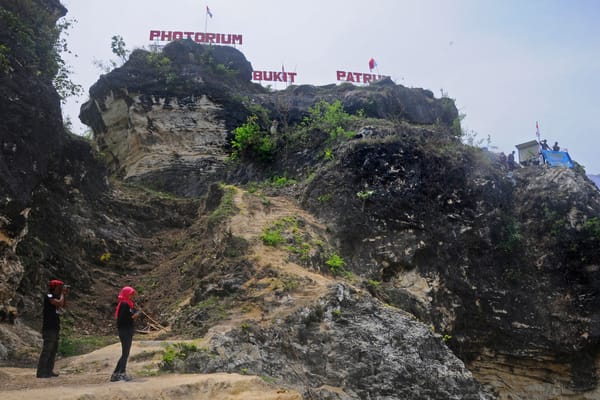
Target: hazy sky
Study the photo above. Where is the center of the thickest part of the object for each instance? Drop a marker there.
(508, 63)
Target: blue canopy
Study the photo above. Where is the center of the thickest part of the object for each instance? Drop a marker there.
(557, 158)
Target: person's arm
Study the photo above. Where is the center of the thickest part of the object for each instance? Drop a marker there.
(60, 302)
(135, 314)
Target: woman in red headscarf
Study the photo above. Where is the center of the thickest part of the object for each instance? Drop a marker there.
(125, 315)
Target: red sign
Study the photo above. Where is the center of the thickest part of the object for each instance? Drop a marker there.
(199, 37)
(274, 76)
(358, 77)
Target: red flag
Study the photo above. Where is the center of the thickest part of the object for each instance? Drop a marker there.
(208, 12)
(372, 63)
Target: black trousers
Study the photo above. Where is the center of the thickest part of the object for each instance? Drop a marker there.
(126, 337)
(48, 355)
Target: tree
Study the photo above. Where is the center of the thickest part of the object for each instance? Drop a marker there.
(117, 46)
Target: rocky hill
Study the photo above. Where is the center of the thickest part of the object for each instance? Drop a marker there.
(340, 241)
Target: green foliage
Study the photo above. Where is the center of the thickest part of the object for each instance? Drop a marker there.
(324, 198)
(272, 237)
(5, 67)
(330, 118)
(226, 71)
(159, 61)
(32, 40)
(252, 141)
(281, 181)
(374, 284)
(117, 45)
(365, 194)
(328, 154)
(336, 264)
(446, 337)
(174, 352)
(70, 344)
(591, 228)
(226, 208)
(511, 236)
(104, 258)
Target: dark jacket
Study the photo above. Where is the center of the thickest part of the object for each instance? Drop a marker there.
(125, 317)
(51, 317)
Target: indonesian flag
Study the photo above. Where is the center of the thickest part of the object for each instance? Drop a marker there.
(372, 64)
(537, 130)
(208, 12)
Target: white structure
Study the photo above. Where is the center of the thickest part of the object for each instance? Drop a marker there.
(529, 152)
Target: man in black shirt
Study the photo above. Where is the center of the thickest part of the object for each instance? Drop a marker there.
(54, 303)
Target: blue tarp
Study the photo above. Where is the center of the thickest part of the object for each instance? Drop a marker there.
(557, 158)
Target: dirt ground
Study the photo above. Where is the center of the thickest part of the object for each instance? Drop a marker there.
(86, 377)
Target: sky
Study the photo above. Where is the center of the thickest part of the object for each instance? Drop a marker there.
(507, 63)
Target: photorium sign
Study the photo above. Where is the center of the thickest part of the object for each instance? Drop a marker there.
(199, 37)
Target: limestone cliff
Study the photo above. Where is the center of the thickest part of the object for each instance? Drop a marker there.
(352, 247)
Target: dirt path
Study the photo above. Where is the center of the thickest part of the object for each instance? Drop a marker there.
(87, 377)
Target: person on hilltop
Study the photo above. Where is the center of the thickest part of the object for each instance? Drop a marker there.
(544, 144)
(556, 147)
(54, 304)
(125, 314)
(502, 159)
(511, 161)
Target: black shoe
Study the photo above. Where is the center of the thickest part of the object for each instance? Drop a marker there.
(125, 378)
(115, 377)
(53, 374)
(43, 376)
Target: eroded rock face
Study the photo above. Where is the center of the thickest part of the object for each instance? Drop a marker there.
(170, 114)
(504, 263)
(167, 118)
(27, 144)
(345, 347)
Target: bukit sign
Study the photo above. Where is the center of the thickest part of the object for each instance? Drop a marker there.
(274, 76)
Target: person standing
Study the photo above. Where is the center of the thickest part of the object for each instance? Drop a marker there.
(125, 314)
(511, 161)
(54, 303)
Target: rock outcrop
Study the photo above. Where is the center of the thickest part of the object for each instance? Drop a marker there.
(450, 262)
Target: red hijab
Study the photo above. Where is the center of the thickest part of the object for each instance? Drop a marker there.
(125, 296)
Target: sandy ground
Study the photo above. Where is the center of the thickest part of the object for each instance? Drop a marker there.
(86, 377)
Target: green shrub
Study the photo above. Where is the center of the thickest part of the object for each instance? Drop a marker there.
(251, 141)
(176, 351)
(272, 237)
(331, 118)
(336, 264)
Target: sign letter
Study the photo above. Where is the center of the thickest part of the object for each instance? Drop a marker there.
(199, 37)
(154, 35)
(237, 39)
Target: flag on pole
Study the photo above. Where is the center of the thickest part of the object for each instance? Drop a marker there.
(372, 64)
(537, 130)
(208, 12)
